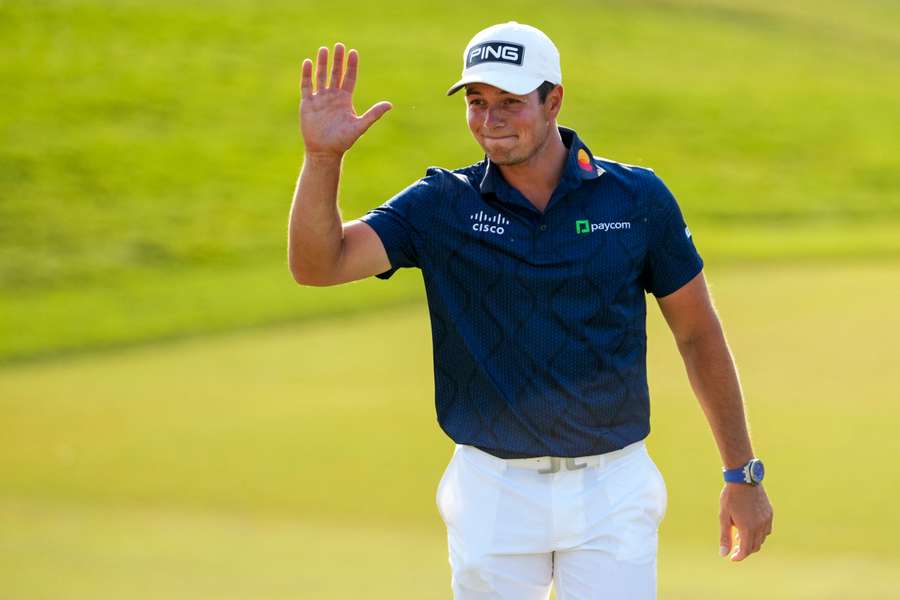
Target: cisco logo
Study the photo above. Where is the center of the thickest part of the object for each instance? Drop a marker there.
(487, 223)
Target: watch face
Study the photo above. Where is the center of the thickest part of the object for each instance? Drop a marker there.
(757, 471)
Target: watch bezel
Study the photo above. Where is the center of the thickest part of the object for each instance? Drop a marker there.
(751, 476)
(745, 472)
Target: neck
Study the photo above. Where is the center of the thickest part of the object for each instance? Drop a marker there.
(543, 169)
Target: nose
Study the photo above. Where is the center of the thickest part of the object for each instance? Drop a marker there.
(492, 118)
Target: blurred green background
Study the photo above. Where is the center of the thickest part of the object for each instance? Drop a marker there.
(179, 419)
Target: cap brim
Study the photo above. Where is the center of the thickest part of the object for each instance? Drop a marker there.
(514, 84)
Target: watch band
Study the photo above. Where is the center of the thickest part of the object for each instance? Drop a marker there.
(751, 473)
(735, 475)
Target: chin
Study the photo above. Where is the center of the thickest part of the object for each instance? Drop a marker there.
(504, 158)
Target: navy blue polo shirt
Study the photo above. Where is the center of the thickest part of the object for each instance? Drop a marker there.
(539, 319)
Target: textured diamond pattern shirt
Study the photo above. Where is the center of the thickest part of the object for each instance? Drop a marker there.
(539, 318)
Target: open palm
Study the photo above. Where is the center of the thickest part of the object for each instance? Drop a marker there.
(328, 122)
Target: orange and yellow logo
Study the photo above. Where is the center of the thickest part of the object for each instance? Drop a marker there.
(584, 161)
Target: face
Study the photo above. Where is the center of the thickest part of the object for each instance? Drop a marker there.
(510, 128)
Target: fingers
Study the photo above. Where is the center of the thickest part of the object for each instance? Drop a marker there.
(337, 66)
(764, 532)
(750, 542)
(338, 78)
(373, 114)
(306, 79)
(741, 545)
(350, 76)
(724, 534)
(744, 545)
(752, 538)
(758, 539)
(321, 66)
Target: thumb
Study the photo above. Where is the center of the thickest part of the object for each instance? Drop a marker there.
(724, 534)
(373, 114)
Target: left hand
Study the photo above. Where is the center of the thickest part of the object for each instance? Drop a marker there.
(745, 507)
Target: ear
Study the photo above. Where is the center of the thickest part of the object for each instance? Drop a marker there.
(553, 104)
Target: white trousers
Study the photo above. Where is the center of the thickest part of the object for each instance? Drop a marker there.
(591, 531)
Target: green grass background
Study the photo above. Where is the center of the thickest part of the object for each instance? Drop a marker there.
(302, 461)
(148, 154)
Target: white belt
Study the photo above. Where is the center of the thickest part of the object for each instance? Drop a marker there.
(552, 464)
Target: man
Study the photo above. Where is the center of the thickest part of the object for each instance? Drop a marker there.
(536, 262)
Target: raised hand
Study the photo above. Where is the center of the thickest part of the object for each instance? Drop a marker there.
(328, 122)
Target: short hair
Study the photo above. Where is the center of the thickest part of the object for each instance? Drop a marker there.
(544, 89)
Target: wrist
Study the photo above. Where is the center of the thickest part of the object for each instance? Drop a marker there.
(739, 463)
(750, 473)
(323, 156)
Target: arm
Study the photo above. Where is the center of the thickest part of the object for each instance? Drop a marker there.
(321, 249)
(713, 376)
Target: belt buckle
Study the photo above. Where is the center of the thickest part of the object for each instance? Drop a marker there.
(555, 462)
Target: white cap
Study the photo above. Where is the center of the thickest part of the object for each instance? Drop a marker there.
(514, 57)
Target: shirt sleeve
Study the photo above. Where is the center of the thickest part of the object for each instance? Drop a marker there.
(672, 259)
(396, 222)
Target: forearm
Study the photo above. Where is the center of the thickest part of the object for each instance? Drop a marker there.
(713, 376)
(315, 230)
(711, 371)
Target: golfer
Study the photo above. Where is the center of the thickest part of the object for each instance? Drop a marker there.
(536, 262)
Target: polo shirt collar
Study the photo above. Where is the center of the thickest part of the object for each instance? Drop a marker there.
(579, 167)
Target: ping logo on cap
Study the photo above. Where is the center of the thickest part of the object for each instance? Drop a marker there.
(505, 52)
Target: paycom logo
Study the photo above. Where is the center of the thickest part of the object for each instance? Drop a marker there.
(585, 226)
